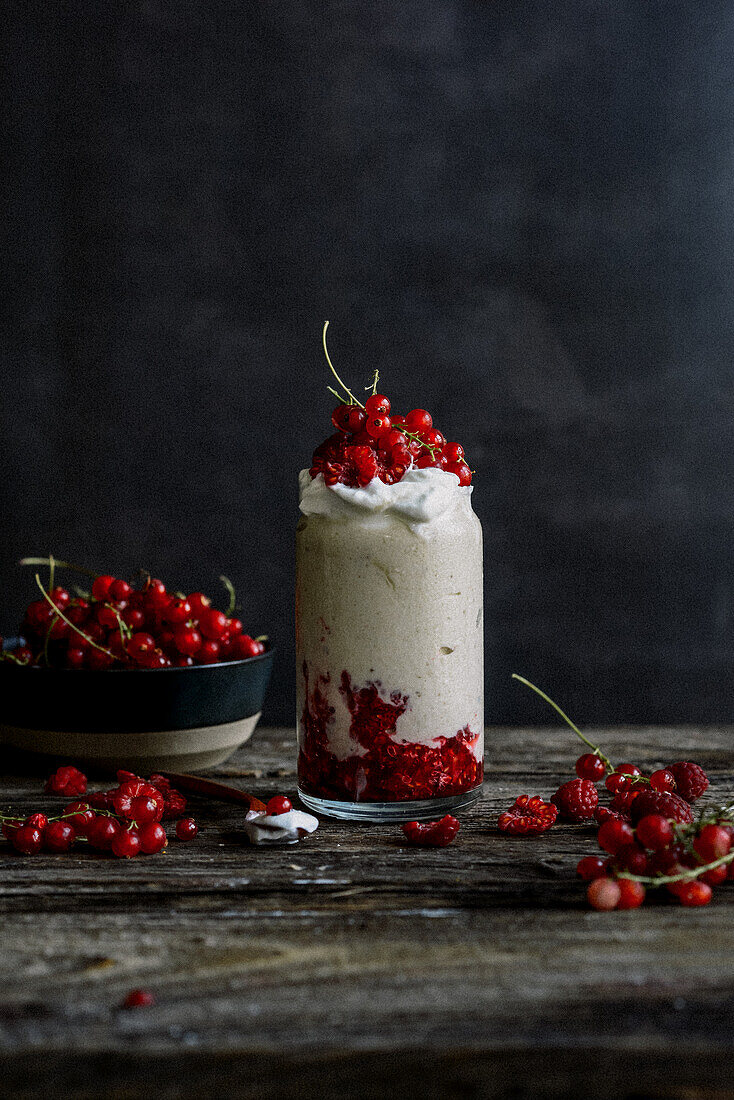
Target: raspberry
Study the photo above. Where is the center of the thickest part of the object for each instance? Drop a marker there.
(67, 781)
(661, 802)
(175, 804)
(690, 780)
(527, 817)
(431, 834)
(576, 800)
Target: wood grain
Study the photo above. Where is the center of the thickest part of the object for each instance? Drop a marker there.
(352, 965)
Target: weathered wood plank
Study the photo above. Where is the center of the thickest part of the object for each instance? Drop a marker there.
(319, 969)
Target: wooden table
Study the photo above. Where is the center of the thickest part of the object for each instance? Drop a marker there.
(353, 966)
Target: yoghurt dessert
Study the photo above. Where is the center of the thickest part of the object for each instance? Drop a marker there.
(389, 632)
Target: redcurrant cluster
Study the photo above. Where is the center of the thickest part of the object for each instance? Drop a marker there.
(687, 859)
(371, 441)
(648, 829)
(125, 820)
(115, 625)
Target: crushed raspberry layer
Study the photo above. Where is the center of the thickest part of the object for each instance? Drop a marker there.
(389, 770)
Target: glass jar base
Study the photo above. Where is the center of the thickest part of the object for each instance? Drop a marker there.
(422, 809)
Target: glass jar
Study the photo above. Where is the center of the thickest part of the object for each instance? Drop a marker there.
(389, 648)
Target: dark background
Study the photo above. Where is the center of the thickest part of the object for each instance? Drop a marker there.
(520, 212)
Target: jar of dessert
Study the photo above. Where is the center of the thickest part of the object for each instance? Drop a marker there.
(389, 630)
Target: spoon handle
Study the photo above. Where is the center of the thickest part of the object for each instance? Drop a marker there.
(196, 785)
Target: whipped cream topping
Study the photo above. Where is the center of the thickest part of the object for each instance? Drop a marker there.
(279, 828)
(420, 497)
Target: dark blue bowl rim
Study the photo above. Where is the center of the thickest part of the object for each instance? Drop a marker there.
(240, 663)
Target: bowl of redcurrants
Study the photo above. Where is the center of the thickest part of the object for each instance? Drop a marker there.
(123, 674)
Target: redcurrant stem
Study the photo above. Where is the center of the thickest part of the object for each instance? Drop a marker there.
(594, 748)
(684, 876)
(68, 622)
(51, 572)
(353, 399)
(58, 565)
(125, 631)
(230, 588)
(47, 639)
(373, 385)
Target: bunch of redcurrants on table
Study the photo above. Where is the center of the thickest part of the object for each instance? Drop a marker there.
(649, 833)
(116, 625)
(125, 821)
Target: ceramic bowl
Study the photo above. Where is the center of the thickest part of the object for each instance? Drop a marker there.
(174, 719)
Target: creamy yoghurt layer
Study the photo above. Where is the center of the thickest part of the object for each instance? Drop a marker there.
(389, 597)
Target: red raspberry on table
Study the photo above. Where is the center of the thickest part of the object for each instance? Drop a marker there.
(527, 817)
(576, 800)
(661, 802)
(431, 834)
(67, 781)
(690, 780)
(174, 804)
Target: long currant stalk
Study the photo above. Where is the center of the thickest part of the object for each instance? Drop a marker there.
(352, 399)
(68, 622)
(594, 748)
(689, 874)
(54, 563)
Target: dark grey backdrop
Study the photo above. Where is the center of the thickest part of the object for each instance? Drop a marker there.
(520, 212)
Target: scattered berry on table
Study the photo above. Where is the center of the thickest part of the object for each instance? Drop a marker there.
(138, 998)
(712, 843)
(591, 867)
(126, 843)
(590, 766)
(631, 894)
(186, 828)
(695, 893)
(527, 816)
(662, 780)
(102, 832)
(603, 894)
(615, 834)
(431, 834)
(655, 832)
(68, 781)
(27, 839)
(690, 780)
(59, 836)
(660, 802)
(152, 838)
(576, 800)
